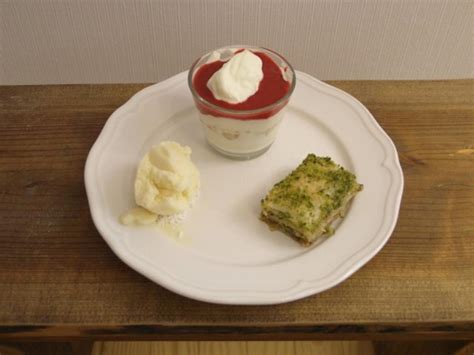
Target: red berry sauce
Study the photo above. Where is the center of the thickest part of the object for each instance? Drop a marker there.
(271, 89)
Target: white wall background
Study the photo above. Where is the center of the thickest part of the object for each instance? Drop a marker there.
(107, 41)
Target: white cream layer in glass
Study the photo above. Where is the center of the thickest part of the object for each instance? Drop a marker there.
(241, 136)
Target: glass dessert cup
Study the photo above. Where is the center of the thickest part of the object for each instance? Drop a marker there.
(236, 133)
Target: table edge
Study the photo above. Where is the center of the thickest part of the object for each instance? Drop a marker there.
(347, 331)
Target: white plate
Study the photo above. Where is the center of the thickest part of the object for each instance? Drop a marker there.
(228, 255)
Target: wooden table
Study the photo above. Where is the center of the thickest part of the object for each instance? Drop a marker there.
(59, 280)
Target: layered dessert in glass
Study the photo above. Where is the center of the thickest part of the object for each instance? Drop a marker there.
(241, 93)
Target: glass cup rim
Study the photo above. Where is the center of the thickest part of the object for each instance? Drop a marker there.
(241, 112)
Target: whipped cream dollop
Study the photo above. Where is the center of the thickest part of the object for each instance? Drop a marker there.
(238, 79)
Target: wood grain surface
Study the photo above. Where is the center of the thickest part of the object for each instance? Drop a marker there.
(58, 278)
(234, 348)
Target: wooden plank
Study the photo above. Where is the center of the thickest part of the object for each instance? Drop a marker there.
(466, 350)
(418, 347)
(59, 279)
(409, 331)
(235, 348)
(45, 348)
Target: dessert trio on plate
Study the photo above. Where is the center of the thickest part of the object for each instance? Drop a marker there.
(241, 93)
